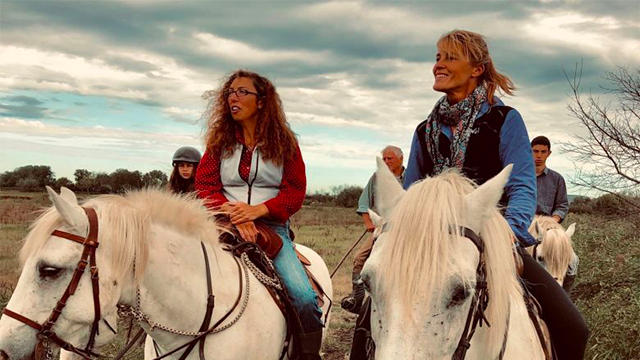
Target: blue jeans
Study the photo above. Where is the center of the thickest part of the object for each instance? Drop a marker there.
(295, 279)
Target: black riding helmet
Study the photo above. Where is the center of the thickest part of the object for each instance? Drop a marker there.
(186, 154)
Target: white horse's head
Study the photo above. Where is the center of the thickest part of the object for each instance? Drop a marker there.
(555, 249)
(48, 263)
(421, 275)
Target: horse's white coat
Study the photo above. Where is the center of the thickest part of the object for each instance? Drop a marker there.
(433, 330)
(173, 293)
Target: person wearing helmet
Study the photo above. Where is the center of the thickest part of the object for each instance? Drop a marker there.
(185, 164)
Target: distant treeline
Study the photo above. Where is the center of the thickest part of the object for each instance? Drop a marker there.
(36, 177)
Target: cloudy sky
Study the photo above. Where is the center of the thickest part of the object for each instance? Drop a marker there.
(103, 85)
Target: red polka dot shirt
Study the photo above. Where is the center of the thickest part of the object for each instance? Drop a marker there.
(292, 187)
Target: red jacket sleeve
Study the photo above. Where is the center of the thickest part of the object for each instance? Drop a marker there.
(208, 181)
(292, 189)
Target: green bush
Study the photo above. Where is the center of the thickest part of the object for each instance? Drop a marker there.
(348, 196)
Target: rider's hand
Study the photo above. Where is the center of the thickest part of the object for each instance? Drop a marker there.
(226, 208)
(241, 212)
(368, 224)
(556, 218)
(248, 231)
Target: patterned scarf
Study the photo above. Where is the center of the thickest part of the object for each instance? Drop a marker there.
(461, 117)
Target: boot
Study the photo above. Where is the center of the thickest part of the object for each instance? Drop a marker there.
(353, 302)
(310, 345)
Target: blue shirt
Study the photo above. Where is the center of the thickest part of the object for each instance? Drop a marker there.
(552, 194)
(515, 148)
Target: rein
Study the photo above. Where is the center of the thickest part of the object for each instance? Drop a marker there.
(46, 336)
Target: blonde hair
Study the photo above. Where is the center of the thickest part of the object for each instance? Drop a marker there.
(472, 47)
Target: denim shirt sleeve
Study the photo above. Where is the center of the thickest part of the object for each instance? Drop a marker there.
(415, 165)
(363, 202)
(515, 149)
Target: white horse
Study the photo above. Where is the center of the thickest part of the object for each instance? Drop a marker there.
(422, 275)
(150, 259)
(555, 249)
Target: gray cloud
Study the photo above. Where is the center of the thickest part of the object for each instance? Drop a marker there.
(22, 107)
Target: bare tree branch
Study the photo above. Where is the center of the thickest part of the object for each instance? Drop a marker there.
(608, 156)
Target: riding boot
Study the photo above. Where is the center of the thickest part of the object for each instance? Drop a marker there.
(353, 302)
(310, 345)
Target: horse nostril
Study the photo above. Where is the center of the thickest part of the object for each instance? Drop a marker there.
(3, 355)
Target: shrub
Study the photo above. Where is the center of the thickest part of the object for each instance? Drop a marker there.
(348, 196)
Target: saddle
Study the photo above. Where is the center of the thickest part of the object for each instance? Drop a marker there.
(270, 243)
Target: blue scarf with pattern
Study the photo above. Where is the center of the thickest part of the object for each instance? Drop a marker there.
(460, 117)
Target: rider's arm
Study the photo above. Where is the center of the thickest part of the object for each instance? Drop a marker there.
(208, 182)
(415, 166)
(292, 189)
(515, 149)
(561, 203)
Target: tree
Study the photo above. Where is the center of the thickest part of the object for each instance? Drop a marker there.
(84, 179)
(30, 177)
(123, 179)
(155, 178)
(609, 154)
(63, 181)
(348, 196)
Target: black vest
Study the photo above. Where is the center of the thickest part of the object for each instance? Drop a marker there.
(482, 159)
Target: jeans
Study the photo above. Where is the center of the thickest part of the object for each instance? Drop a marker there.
(296, 282)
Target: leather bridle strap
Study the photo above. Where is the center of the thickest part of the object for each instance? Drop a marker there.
(216, 324)
(210, 304)
(480, 298)
(88, 257)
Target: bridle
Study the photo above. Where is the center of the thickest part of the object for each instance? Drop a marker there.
(480, 298)
(45, 333)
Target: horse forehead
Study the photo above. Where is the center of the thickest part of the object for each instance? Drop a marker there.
(57, 250)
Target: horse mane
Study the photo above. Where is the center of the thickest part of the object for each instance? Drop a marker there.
(556, 247)
(418, 248)
(124, 224)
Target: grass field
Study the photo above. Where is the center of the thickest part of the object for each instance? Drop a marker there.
(607, 290)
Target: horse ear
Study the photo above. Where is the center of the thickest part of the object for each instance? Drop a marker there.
(375, 218)
(72, 214)
(68, 195)
(485, 198)
(540, 231)
(388, 189)
(571, 229)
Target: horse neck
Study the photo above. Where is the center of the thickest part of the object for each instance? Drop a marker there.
(173, 290)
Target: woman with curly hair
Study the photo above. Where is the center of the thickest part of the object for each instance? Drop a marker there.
(253, 169)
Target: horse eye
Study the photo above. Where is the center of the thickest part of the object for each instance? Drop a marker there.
(458, 296)
(541, 258)
(47, 271)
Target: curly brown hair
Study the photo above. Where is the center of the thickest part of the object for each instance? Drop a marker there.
(274, 137)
